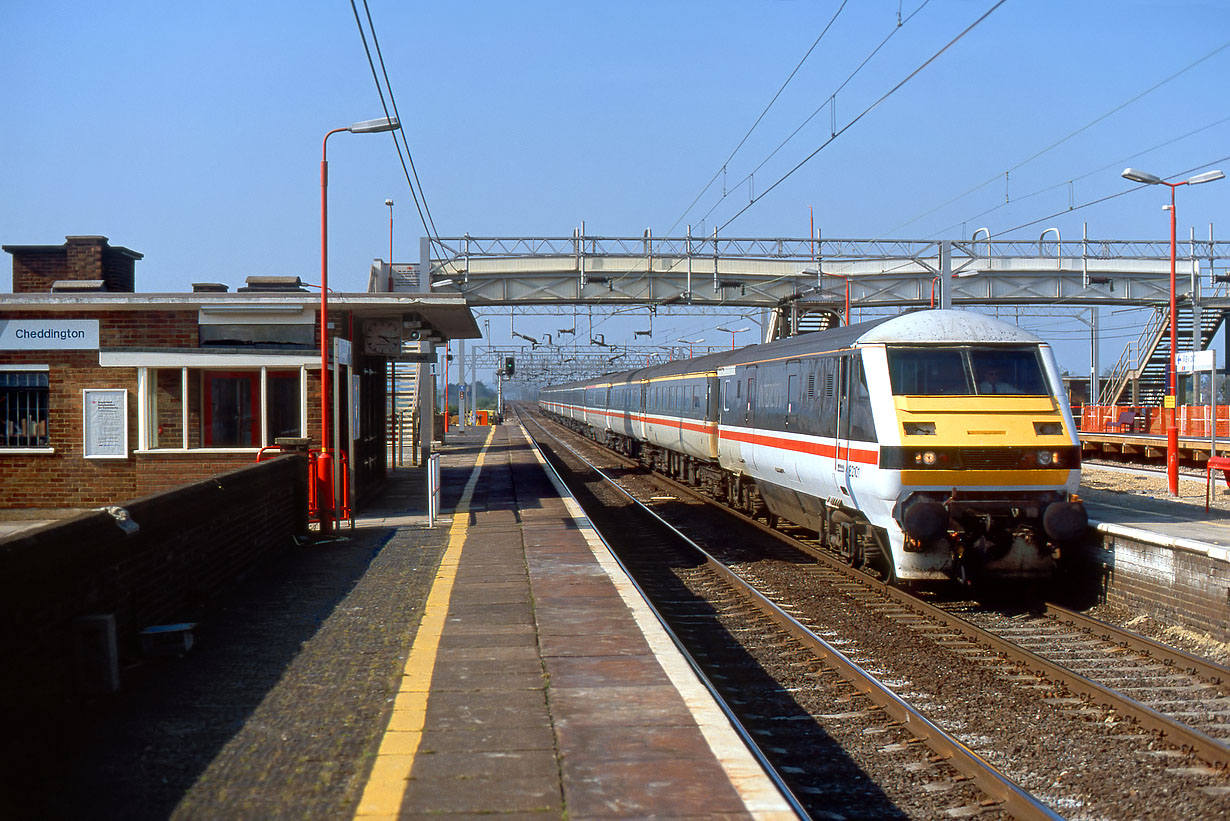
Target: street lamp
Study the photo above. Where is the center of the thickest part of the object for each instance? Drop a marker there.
(732, 332)
(389, 202)
(324, 465)
(690, 343)
(1172, 429)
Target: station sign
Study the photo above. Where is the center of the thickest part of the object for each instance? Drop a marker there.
(48, 334)
(1192, 361)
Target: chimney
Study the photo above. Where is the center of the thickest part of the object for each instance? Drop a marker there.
(87, 259)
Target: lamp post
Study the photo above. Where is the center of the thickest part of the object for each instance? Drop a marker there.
(1172, 429)
(690, 343)
(732, 332)
(324, 465)
(389, 202)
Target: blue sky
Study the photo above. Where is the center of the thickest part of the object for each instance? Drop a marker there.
(191, 132)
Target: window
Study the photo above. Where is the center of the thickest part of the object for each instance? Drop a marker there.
(232, 402)
(966, 371)
(23, 409)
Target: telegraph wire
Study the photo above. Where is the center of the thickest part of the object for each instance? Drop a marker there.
(863, 114)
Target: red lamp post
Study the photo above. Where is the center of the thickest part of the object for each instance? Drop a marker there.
(732, 332)
(324, 465)
(690, 343)
(1172, 428)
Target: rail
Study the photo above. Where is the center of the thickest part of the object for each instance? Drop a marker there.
(1012, 797)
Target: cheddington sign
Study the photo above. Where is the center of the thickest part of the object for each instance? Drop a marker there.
(48, 334)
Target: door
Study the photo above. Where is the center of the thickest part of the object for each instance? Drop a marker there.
(748, 455)
(842, 452)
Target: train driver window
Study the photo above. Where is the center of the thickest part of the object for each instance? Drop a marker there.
(928, 372)
(1008, 371)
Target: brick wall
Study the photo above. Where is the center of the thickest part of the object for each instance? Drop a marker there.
(65, 478)
(1178, 586)
(34, 272)
(193, 544)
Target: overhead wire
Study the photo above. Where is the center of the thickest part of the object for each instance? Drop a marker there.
(424, 212)
(863, 114)
(1063, 140)
(829, 100)
(1100, 200)
(1100, 170)
(718, 173)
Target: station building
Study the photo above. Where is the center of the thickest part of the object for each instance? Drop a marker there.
(107, 394)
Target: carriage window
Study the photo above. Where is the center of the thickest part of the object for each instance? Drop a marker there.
(792, 392)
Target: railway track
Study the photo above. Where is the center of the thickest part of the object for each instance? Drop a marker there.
(1147, 721)
(739, 636)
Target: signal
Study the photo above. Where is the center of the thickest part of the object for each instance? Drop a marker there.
(510, 366)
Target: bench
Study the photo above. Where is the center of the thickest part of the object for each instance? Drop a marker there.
(1221, 463)
(1127, 420)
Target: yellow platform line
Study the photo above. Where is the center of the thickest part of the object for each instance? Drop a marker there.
(386, 784)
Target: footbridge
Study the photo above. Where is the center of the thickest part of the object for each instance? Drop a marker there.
(811, 282)
(733, 272)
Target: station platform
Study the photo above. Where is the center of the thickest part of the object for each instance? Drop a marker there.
(497, 663)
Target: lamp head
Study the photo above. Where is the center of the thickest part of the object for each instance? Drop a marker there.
(374, 126)
(1207, 176)
(1140, 176)
(389, 203)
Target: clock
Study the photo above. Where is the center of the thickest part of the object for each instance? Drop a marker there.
(382, 336)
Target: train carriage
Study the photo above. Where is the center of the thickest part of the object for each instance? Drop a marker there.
(932, 444)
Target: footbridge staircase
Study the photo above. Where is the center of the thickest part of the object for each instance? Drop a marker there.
(1141, 376)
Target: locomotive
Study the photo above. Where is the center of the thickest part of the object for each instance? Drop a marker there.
(930, 445)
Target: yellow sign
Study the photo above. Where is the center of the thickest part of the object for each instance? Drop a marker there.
(1168, 401)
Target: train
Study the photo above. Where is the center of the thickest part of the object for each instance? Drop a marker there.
(929, 445)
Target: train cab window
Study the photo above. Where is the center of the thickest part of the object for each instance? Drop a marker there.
(1008, 371)
(966, 371)
(928, 372)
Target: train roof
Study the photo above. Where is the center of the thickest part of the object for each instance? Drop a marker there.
(922, 327)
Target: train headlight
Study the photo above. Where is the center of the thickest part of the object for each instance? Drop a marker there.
(1045, 458)
(926, 457)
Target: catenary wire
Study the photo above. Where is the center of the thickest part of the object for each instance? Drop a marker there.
(830, 99)
(718, 173)
(1102, 169)
(863, 114)
(424, 218)
(392, 99)
(1100, 200)
(1060, 142)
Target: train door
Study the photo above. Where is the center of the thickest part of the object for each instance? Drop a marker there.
(749, 415)
(842, 452)
(794, 379)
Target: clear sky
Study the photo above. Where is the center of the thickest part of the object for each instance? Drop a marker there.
(191, 132)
